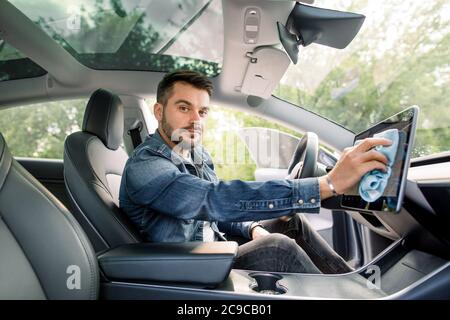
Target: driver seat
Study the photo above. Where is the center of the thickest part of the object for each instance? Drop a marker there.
(93, 165)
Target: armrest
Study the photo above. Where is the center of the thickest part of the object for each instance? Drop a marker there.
(206, 263)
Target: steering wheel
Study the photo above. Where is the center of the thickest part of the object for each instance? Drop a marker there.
(304, 160)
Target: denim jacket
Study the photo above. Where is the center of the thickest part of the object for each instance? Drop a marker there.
(168, 198)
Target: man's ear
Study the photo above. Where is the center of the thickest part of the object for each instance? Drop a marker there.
(158, 111)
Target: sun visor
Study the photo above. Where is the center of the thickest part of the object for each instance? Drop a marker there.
(266, 67)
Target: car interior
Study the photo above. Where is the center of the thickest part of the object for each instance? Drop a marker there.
(62, 232)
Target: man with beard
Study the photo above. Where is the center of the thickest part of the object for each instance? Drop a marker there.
(170, 191)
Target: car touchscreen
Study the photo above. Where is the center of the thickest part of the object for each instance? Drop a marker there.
(383, 191)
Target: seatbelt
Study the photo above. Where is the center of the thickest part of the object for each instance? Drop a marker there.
(135, 133)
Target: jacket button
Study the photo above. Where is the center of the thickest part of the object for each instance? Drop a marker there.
(270, 205)
(300, 201)
(313, 200)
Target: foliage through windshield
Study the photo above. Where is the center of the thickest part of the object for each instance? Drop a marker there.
(401, 57)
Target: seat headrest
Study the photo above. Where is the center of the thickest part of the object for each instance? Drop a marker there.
(104, 118)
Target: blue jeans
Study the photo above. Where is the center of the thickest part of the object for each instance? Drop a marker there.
(292, 246)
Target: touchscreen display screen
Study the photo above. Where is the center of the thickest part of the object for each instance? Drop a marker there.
(385, 191)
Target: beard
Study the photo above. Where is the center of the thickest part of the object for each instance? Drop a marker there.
(186, 137)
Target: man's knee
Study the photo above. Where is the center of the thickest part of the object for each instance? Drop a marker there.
(281, 241)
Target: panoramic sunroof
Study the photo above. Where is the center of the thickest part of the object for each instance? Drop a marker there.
(150, 35)
(14, 65)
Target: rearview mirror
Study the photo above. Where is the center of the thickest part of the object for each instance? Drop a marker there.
(307, 24)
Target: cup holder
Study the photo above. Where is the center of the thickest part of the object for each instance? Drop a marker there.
(267, 283)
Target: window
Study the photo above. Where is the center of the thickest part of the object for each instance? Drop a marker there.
(401, 57)
(14, 65)
(159, 35)
(39, 130)
(240, 143)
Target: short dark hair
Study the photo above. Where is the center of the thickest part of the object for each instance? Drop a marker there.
(196, 79)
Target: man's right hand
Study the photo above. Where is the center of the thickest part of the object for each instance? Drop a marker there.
(354, 162)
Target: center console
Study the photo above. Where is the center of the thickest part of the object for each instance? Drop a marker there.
(399, 272)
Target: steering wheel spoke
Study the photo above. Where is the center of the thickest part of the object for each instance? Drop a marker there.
(304, 160)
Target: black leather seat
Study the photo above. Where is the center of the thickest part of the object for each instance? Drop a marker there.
(93, 166)
(44, 253)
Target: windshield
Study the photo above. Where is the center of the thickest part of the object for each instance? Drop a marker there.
(150, 35)
(400, 57)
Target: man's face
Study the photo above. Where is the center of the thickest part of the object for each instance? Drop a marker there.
(184, 116)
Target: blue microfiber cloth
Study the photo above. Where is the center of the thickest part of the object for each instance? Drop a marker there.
(373, 183)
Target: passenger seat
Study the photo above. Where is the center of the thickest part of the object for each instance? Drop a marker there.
(44, 253)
